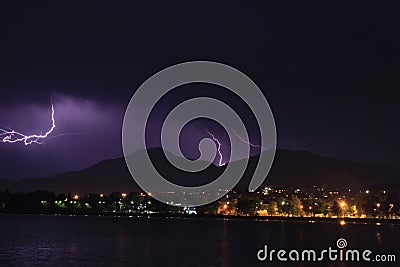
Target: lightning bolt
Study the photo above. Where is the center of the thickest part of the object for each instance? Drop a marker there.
(13, 136)
(218, 147)
(247, 142)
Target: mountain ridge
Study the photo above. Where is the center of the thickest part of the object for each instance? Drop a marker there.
(289, 168)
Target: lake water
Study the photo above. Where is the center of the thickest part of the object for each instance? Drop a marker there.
(38, 240)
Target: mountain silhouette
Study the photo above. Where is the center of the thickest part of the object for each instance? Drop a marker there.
(289, 168)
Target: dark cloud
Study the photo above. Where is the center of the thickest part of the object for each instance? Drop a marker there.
(328, 70)
(86, 132)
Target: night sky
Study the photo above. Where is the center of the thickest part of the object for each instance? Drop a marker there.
(329, 71)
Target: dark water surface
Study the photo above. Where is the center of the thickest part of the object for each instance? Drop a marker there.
(38, 240)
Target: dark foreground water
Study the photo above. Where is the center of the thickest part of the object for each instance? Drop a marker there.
(35, 240)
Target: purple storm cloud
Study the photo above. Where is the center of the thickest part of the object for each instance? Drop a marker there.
(85, 133)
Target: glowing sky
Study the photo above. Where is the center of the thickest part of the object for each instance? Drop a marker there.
(329, 71)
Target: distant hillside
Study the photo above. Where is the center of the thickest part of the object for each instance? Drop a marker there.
(289, 168)
(7, 184)
(305, 168)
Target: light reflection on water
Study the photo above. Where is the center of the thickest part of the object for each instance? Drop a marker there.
(34, 240)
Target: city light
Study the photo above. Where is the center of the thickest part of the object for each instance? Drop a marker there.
(309, 204)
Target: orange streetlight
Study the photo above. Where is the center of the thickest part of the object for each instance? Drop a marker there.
(342, 206)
